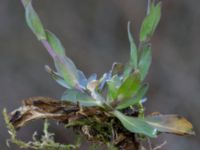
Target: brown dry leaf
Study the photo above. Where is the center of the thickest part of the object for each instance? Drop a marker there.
(65, 112)
(42, 107)
(171, 124)
(45, 107)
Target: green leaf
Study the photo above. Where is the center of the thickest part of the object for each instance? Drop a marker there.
(171, 124)
(129, 86)
(145, 61)
(136, 99)
(34, 22)
(56, 77)
(113, 86)
(150, 22)
(82, 98)
(127, 70)
(134, 54)
(67, 70)
(136, 125)
(55, 43)
(133, 63)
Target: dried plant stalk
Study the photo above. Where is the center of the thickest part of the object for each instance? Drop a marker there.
(73, 116)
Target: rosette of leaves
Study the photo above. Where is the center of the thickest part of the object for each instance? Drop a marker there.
(120, 93)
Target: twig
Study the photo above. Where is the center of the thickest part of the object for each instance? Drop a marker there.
(150, 145)
(148, 6)
(48, 108)
(160, 146)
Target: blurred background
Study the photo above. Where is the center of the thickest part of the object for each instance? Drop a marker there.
(94, 33)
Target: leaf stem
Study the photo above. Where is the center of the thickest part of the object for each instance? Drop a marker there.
(148, 6)
(48, 48)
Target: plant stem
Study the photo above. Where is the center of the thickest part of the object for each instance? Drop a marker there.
(148, 6)
(49, 48)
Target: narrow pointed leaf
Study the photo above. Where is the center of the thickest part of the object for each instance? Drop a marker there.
(67, 70)
(150, 22)
(136, 125)
(145, 61)
(55, 44)
(33, 21)
(82, 79)
(82, 98)
(134, 54)
(56, 77)
(103, 80)
(129, 86)
(136, 99)
(170, 124)
(117, 68)
(127, 70)
(113, 86)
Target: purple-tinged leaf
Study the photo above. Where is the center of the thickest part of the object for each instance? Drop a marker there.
(67, 70)
(33, 20)
(55, 44)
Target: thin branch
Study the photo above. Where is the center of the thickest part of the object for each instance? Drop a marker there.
(48, 48)
(148, 6)
(160, 146)
(150, 145)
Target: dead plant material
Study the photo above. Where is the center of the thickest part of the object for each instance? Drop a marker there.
(92, 122)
